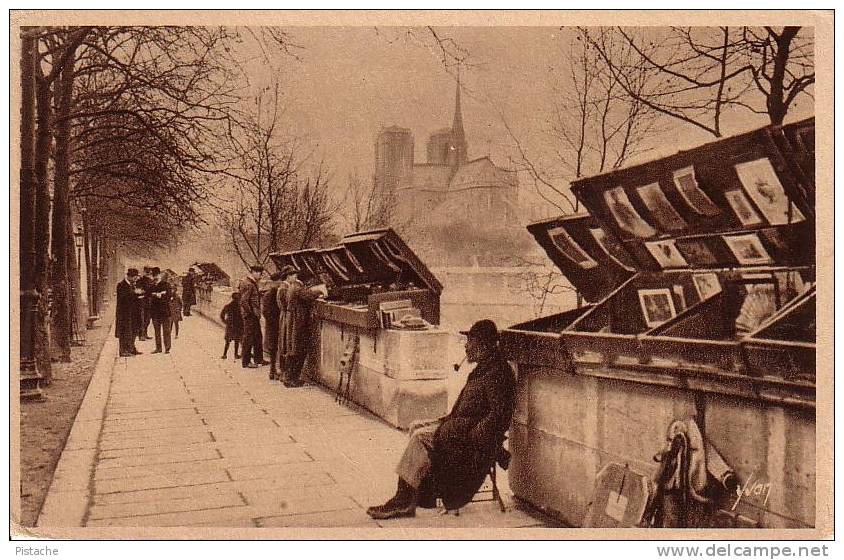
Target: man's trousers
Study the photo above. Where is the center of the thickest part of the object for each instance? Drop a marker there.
(159, 324)
(253, 348)
(415, 464)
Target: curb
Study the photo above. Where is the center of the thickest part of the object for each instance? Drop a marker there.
(67, 499)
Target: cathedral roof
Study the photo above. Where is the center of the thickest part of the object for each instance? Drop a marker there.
(482, 173)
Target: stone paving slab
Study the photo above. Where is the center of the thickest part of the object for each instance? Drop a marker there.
(187, 439)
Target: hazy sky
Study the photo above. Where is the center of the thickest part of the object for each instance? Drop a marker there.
(352, 81)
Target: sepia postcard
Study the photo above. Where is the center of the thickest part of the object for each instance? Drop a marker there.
(421, 275)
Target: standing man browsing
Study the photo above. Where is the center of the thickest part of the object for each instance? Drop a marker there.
(296, 338)
(250, 311)
(189, 290)
(160, 311)
(282, 291)
(269, 309)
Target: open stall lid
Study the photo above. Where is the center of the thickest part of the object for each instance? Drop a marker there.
(741, 201)
(589, 257)
(386, 259)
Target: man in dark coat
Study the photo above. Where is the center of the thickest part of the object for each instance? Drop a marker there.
(450, 458)
(160, 295)
(295, 337)
(282, 291)
(250, 311)
(189, 291)
(145, 283)
(125, 321)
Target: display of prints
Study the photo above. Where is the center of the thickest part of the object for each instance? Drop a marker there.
(660, 208)
(625, 215)
(570, 249)
(696, 252)
(657, 306)
(610, 247)
(707, 285)
(748, 249)
(761, 183)
(742, 208)
(666, 254)
(686, 184)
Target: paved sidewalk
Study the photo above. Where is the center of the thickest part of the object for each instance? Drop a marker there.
(188, 439)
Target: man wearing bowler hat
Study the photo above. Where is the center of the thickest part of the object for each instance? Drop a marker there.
(449, 458)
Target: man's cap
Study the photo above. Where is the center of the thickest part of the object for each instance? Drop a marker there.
(256, 268)
(155, 271)
(131, 272)
(286, 271)
(484, 329)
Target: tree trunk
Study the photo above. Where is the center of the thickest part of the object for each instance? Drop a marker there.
(43, 140)
(87, 242)
(61, 214)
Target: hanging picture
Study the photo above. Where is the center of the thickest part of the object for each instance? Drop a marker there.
(612, 248)
(657, 306)
(748, 249)
(696, 252)
(762, 185)
(666, 254)
(742, 208)
(662, 212)
(625, 215)
(707, 285)
(686, 184)
(570, 249)
(681, 297)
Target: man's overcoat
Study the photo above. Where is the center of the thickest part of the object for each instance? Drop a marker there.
(295, 330)
(125, 311)
(466, 442)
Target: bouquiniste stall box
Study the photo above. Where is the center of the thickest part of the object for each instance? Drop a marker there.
(381, 315)
(699, 274)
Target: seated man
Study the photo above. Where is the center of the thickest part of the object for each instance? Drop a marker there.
(450, 458)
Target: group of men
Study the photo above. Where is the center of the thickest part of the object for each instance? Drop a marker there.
(285, 304)
(144, 299)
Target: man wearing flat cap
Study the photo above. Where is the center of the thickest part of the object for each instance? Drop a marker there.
(450, 458)
(126, 310)
(252, 349)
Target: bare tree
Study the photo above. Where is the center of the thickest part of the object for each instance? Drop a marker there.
(697, 74)
(277, 202)
(366, 207)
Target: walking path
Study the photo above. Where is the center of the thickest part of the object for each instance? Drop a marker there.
(188, 439)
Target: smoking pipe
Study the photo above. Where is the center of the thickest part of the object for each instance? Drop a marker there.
(457, 366)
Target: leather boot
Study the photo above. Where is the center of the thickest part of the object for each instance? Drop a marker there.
(403, 504)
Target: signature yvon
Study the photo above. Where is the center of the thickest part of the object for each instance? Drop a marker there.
(753, 487)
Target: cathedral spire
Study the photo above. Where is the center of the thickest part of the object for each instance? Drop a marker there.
(459, 149)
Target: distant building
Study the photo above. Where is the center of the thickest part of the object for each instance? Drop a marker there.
(459, 211)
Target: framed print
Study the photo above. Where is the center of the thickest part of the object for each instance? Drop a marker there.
(570, 249)
(696, 252)
(762, 185)
(707, 285)
(625, 215)
(657, 306)
(662, 212)
(666, 254)
(611, 248)
(681, 297)
(686, 184)
(748, 249)
(742, 208)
